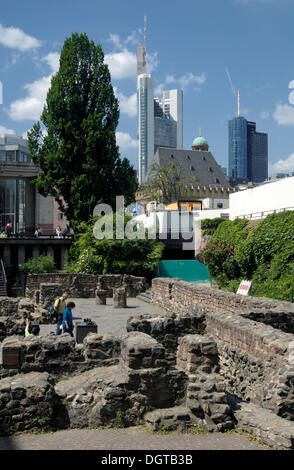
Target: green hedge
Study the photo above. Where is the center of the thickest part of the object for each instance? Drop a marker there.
(264, 254)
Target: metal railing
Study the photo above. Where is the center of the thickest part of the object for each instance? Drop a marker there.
(262, 214)
(2, 270)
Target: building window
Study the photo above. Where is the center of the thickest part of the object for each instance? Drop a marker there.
(60, 216)
(210, 169)
(192, 168)
(203, 158)
(188, 157)
(219, 205)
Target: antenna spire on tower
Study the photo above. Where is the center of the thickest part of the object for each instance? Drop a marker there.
(145, 32)
(238, 103)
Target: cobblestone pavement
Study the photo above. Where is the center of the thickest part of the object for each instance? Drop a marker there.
(109, 320)
(126, 439)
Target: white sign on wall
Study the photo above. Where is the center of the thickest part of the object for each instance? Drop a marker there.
(244, 288)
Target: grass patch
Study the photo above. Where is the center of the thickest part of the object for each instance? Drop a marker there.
(197, 429)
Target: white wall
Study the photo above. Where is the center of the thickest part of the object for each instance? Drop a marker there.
(173, 221)
(258, 202)
(212, 202)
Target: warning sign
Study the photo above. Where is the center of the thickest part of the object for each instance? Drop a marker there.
(244, 288)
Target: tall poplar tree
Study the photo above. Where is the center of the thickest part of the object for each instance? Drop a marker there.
(79, 160)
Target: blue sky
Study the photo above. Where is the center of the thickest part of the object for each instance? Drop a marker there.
(210, 49)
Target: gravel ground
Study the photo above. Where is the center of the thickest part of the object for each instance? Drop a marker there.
(109, 320)
(126, 439)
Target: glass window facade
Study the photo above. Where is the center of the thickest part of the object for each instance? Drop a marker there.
(238, 148)
(248, 151)
(12, 204)
(14, 156)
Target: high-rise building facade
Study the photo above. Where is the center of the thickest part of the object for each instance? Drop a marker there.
(145, 124)
(238, 149)
(159, 120)
(248, 152)
(168, 120)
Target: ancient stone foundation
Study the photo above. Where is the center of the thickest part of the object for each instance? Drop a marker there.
(85, 285)
(213, 359)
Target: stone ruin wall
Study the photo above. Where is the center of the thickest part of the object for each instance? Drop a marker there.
(253, 350)
(216, 342)
(187, 297)
(84, 285)
(104, 381)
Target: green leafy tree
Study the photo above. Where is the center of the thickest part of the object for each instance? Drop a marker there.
(138, 256)
(78, 157)
(167, 182)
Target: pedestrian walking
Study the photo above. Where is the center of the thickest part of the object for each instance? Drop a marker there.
(59, 307)
(67, 323)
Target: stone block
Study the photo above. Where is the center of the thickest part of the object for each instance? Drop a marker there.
(140, 351)
(119, 298)
(49, 292)
(100, 296)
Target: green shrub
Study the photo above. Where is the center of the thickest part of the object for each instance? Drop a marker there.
(209, 226)
(138, 257)
(43, 264)
(219, 253)
(264, 254)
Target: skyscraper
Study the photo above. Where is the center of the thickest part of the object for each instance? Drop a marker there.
(168, 120)
(159, 120)
(145, 121)
(248, 152)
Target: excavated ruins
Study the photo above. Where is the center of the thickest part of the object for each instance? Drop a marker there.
(214, 359)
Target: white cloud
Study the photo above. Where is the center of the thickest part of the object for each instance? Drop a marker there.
(291, 84)
(52, 60)
(31, 106)
(182, 82)
(15, 38)
(127, 104)
(265, 115)
(135, 38)
(125, 141)
(283, 166)
(158, 91)
(189, 78)
(170, 79)
(152, 61)
(4, 130)
(122, 64)
(284, 115)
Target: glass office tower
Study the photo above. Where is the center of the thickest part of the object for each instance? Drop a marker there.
(248, 152)
(238, 149)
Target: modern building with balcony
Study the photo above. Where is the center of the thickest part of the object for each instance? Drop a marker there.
(19, 201)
